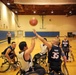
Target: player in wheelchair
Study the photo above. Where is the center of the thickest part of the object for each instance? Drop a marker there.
(42, 55)
(66, 46)
(25, 58)
(9, 52)
(8, 58)
(54, 53)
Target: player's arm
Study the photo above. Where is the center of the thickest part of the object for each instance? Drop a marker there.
(30, 49)
(42, 39)
(64, 57)
(15, 53)
(7, 54)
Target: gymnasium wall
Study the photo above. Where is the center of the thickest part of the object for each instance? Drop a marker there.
(43, 34)
(7, 19)
(51, 23)
(3, 34)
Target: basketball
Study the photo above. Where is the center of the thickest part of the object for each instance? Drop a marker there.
(33, 22)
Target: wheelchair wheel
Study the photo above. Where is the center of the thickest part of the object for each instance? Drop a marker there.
(65, 70)
(71, 56)
(18, 73)
(4, 65)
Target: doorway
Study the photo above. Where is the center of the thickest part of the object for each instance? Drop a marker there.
(19, 33)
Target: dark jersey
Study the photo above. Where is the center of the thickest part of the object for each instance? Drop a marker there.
(11, 52)
(65, 44)
(54, 54)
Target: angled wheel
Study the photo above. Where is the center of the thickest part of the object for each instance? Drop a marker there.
(65, 70)
(18, 73)
(4, 65)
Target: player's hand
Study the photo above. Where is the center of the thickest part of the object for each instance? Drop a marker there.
(34, 31)
(35, 37)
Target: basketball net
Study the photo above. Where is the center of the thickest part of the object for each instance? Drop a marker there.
(45, 2)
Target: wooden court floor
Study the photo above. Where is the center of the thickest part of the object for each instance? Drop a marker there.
(71, 66)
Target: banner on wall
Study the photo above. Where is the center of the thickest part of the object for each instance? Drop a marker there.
(45, 2)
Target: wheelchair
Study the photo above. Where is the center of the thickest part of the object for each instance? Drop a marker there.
(39, 59)
(64, 69)
(20, 72)
(36, 70)
(71, 57)
(42, 59)
(5, 65)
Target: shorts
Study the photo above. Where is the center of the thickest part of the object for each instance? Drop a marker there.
(56, 66)
(66, 49)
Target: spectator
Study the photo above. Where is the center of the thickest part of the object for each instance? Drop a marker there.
(9, 37)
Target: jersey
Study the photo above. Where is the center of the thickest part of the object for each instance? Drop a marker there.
(8, 34)
(43, 49)
(65, 44)
(54, 54)
(25, 65)
(11, 52)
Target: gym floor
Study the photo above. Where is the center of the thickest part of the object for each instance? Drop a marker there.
(71, 66)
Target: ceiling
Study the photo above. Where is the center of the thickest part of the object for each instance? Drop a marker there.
(67, 9)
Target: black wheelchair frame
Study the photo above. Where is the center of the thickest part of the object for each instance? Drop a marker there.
(5, 65)
(35, 70)
(28, 73)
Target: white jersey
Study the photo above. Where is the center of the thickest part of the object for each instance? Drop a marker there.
(9, 34)
(25, 65)
(43, 49)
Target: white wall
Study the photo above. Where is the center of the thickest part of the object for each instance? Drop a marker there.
(59, 23)
(7, 21)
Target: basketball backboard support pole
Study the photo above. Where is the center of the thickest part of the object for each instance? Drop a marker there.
(42, 27)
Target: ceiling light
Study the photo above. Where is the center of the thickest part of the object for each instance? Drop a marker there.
(34, 12)
(52, 11)
(16, 12)
(8, 3)
(70, 12)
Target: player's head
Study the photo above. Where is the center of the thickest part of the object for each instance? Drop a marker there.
(57, 36)
(22, 45)
(65, 38)
(13, 44)
(55, 41)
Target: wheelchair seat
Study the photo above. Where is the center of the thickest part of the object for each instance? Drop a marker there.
(42, 58)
